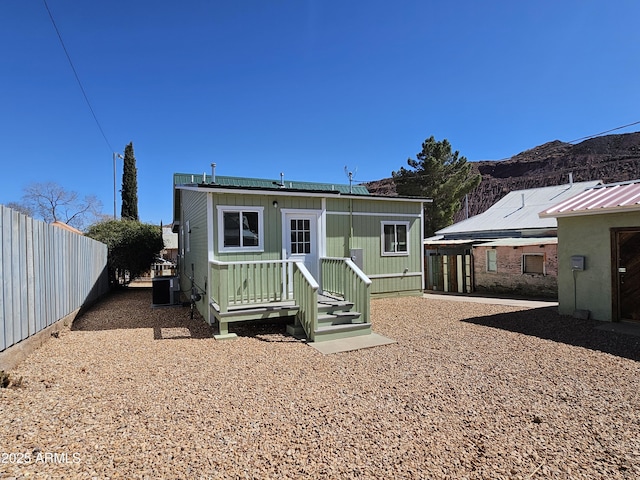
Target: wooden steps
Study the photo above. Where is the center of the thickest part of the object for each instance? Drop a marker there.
(335, 319)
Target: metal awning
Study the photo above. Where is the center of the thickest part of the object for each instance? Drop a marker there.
(519, 242)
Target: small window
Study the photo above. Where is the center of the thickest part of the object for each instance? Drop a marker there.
(533, 263)
(395, 238)
(240, 229)
(492, 261)
(300, 236)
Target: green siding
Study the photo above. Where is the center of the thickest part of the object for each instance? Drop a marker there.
(405, 285)
(367, 235)
(368, 205)
(337, 235)
(272, 222)
(194, 211)
(588, 235)
(390, 274)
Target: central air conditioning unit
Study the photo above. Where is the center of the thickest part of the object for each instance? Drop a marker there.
(165, 291)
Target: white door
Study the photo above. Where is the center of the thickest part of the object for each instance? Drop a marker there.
(300, 239)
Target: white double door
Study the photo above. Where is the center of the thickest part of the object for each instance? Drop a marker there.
(300, 238)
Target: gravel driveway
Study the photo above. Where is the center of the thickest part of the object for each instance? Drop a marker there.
(469, 391)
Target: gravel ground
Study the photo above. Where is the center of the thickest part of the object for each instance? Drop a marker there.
(469, 391)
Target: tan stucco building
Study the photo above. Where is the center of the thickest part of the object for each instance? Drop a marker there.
(599, 252)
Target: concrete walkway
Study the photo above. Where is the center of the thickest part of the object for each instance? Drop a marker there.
(351, 343)
(492, 300)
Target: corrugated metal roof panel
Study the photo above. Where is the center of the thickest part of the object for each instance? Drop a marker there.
(447, 242)
(519, 210)
(519, 242)
(225, 181)
(599, 199)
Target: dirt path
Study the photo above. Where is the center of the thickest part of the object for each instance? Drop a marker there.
(469, 391)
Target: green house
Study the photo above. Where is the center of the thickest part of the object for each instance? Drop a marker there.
(253, 249)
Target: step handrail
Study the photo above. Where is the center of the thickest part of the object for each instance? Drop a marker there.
(342, 277)
(305, 293)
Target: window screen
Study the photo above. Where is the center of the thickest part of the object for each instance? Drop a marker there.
(492, 261)
(241, 229)
(394, 238)
(533, 264)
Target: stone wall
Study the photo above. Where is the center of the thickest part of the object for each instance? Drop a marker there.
(509, 277)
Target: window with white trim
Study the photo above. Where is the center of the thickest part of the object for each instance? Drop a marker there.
(492, 260)
(240, 229)
(533, 263)
(300, 236)
(395, 238)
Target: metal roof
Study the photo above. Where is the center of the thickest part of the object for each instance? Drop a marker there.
(519, 242)
(615, 197)
(518, 210)
(432, 241)
(266, 184)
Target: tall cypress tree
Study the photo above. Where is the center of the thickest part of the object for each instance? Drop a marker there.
(129, 186)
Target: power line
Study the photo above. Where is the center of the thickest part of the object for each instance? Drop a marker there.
(602, 133)
(77, 77)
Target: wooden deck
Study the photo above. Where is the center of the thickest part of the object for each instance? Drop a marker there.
(335, 318)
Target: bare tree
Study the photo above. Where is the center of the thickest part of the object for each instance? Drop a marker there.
(51, 202)
(20, 207)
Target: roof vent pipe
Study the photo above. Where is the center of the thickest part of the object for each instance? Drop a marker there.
(204, 177)
(570, 178)
(522, 200)
(282, 179)
(213, 173)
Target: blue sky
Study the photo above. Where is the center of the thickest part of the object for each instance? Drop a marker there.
(303, 87)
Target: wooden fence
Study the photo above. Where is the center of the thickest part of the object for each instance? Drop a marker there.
(46, 274)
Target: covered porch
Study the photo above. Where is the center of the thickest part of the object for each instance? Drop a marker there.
(336, 305)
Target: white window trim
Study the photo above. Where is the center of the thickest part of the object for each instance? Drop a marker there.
(221, 209)
(496, 261)
(544, 264)
(316, 216)
(393, 254)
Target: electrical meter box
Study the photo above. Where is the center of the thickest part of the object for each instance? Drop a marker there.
(577, 262)
(357, 256)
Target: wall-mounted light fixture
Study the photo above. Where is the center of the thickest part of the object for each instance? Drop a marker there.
(275, 204)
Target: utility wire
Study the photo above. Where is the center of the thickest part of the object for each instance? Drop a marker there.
(602, 133)
(77, 77)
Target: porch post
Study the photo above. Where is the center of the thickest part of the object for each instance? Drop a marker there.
(223, 331)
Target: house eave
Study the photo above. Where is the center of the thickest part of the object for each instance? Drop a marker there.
(599, 211)
(295, 193)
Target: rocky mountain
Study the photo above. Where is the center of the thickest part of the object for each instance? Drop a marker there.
(610, 158)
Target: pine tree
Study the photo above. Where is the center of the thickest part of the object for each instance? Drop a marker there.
(440, 174)
(129, 186)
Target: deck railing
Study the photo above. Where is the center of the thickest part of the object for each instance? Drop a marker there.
(235, 284)
(343, 278)
(305, 291)
(250, 283)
